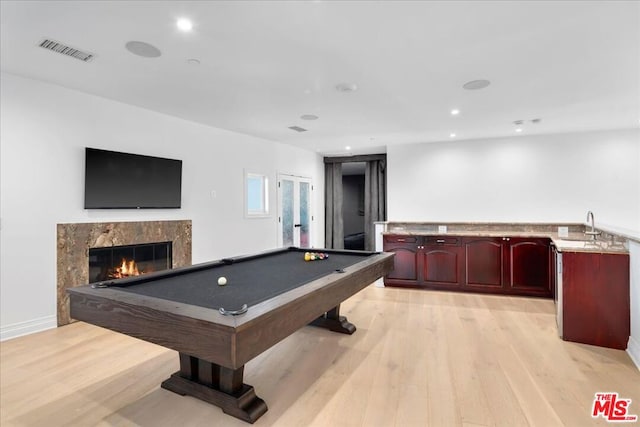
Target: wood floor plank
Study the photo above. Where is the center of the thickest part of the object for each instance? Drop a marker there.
(466, 329)
(418, 358)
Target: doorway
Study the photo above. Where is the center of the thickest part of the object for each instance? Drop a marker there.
(372, 203)
(353, 204)
(294, 211)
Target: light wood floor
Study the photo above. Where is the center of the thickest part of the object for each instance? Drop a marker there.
(418, 358)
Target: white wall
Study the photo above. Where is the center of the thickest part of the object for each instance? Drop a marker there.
(549, 178)
(44, 129)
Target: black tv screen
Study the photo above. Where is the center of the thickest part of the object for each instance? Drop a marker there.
(116, 180)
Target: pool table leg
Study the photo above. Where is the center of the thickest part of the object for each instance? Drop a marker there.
(334, 322)
(217, 385)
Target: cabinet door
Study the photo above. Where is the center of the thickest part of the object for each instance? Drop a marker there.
(441, 262)
(528, 265)
(405, 261)
(595, 299)
(483, 258)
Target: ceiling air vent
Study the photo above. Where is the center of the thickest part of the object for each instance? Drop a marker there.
(66, 50)
(297, 128)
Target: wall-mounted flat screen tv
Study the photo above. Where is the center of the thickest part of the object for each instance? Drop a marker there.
(116, 180)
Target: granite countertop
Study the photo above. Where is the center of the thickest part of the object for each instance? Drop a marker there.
(575, 241)
(598, 246)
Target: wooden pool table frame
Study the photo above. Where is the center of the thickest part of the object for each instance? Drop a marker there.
(213, 347)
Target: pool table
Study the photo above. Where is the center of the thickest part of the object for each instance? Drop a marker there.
(218, 329)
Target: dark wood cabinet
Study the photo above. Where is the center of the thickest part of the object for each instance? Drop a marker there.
(509, 265)
(484, 266)
(424, 261)
(405, 270)
(503, 265)
(441, 264)
(594, 301)
(529, 267)
(553, 274)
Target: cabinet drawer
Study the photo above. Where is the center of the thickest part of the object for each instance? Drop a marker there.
(442, 240)
(400, 239)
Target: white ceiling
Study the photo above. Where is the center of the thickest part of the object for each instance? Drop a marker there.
(574, 64)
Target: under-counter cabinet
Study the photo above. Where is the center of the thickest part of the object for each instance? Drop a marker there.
(440, 262)
(405, 248)
(424, 261)
(508, 265)
(484, 263)
(593, 305)
(529, 266)
(501, 265)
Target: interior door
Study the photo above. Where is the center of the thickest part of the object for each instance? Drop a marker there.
(294, 211)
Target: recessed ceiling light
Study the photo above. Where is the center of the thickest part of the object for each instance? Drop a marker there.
(143, 49)
(518, 130)
(452, 135)
(455, 112)
(347, 148)
(347, 87)
(309, 117)
(476, 84)
(184, 24)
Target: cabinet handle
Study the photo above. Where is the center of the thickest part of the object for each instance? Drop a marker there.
(402, 240)
(440, 241)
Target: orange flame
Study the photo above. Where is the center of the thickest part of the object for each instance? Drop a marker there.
(126, 269)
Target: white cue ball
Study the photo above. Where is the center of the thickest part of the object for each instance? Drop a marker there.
(222, 281)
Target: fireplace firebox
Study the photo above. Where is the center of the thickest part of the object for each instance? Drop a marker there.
(116, 262)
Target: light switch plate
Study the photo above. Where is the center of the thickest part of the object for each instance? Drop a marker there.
(442, 229)
(563, 231)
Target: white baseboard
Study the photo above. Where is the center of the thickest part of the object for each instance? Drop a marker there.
(633, 350)
(29, 327)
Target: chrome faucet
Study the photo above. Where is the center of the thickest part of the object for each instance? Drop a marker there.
(593, 233)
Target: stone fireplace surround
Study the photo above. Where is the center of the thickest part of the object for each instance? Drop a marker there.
(75, 240)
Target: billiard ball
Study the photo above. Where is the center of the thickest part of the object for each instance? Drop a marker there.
(222, 281)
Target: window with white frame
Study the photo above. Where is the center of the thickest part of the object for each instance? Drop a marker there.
(256, 194)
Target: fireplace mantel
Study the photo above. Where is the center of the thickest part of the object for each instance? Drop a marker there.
(75, 240)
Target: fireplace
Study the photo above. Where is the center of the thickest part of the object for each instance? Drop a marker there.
(84, 248)
(117, 262)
